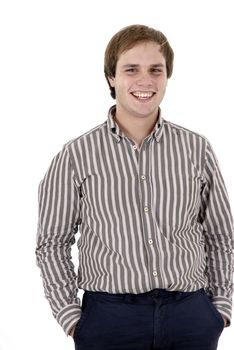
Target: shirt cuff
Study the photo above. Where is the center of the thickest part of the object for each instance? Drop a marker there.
(68, 317)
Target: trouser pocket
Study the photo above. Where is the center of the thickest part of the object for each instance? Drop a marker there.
(85, 314)
(213, 310)
(194, 322)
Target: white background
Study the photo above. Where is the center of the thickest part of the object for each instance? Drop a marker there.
(52, 89)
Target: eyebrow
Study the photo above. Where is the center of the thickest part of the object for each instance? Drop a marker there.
(137, 65)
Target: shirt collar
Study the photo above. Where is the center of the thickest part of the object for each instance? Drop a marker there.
(115, 130)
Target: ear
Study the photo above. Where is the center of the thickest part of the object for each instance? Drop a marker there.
(111, 81)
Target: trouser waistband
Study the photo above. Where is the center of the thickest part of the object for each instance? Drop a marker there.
(141, 298)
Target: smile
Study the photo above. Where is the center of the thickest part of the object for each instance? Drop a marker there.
(140, 95)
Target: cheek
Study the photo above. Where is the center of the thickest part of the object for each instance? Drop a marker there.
(162, 86)
(122, 87)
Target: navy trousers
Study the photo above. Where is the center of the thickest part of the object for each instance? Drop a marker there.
(158, 319)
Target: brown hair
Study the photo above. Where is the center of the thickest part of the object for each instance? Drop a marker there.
(126, 39)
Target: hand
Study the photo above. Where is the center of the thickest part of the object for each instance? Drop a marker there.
(72, 331)
(225, 321)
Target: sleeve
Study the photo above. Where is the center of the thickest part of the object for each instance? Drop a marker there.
(218, 230)
(57, 224)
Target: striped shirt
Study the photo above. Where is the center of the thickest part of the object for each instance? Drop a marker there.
(154, 216)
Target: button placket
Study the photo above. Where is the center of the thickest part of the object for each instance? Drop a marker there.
(145, 201)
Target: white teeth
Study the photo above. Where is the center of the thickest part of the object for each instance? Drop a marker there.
(143, 95)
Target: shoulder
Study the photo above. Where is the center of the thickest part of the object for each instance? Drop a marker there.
(85, 136)
(183, 131)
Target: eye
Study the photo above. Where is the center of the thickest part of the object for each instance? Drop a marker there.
(131, 70)
(156, 70)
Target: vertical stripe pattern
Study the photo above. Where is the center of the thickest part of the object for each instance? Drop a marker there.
(154, 216)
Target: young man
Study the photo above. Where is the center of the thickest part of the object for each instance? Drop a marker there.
(156, 230)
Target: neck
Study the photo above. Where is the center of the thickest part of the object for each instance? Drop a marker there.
(136, 128)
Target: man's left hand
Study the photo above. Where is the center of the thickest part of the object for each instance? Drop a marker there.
(225, 321)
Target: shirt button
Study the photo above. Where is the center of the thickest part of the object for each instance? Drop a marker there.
(134, 147)
(155, 273)
(146, 209)
(143, 177)
(150, 241)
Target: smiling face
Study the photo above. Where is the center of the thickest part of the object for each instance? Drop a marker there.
(140, 81)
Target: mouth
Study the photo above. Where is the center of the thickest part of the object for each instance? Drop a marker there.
(143, 95)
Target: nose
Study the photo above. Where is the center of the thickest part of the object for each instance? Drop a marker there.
(145, 80)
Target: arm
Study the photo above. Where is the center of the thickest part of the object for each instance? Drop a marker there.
(57, 225)
(217, 221)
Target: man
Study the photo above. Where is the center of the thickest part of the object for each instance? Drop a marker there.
(156, 230)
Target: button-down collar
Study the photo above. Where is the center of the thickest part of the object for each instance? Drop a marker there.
(114, 128)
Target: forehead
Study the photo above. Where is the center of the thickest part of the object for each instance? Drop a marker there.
(146, 52)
